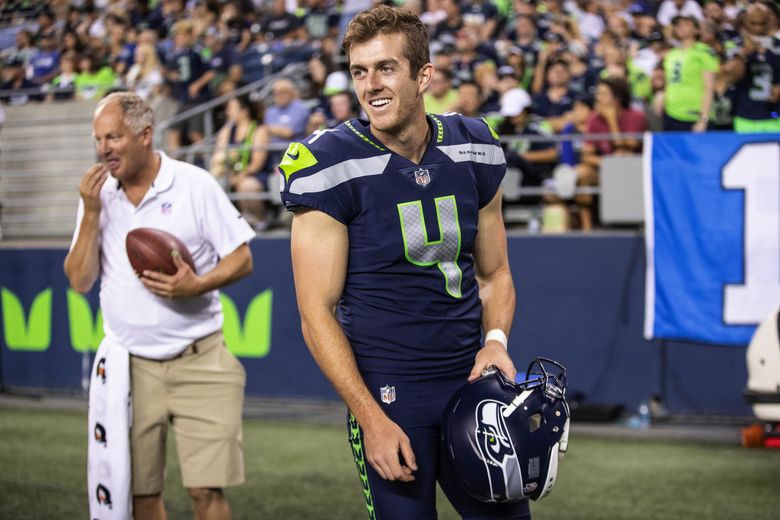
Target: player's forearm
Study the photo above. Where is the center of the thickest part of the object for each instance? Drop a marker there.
(82, 264)
(333, 354)
(233, 267)
(498, 300)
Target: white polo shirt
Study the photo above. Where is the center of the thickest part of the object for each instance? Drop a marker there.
(187, 202)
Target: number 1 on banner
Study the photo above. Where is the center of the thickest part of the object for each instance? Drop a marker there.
(755, 168)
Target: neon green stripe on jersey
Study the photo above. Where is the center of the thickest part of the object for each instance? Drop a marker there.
(490, 127)
(296, 158)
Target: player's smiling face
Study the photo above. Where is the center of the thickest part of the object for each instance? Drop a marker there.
(388, 93)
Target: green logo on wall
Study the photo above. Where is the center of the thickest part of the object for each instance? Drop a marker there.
(33, 334)
(86, 333)
(250, 338)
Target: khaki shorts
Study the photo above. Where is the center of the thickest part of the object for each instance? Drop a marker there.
(201, 394)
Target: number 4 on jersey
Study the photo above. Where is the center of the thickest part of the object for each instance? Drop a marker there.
(442, 253)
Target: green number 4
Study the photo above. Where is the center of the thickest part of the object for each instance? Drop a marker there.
(442, 253)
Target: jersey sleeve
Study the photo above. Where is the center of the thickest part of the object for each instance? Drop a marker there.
(221, 223)
(490, 167)
(313, 177)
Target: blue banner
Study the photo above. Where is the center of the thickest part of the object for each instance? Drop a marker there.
(712, 214)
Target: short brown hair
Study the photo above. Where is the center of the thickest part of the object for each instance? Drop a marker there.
(383, 19)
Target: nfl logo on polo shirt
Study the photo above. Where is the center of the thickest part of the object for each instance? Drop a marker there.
(422, 177)
(388, 394)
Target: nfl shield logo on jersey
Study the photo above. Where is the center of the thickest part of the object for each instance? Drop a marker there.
(422, 177)
(388, 394)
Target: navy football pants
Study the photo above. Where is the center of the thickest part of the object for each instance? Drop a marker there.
(417, 409)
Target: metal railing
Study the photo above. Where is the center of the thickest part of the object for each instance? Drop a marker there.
(54, 183)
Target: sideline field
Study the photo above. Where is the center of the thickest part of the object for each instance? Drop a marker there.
(297, 471)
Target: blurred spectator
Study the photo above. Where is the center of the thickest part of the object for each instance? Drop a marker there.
(523, 39)
(279, 24)
(145, 77)
(644, 23)
(343, 107)
(549, 9)
(17, 89)
(535, 159)
(452, 22)
(318, 120)
(24, 49)
(121, 43)
(619, 24)
(570, 151)
(204, 14)
(555, 100)
(483, 14)
(166, 14)
(613, 115)
(485, 76)
(63, 86)
(45, 64)
(470, 52)
(440, 96)
(286, 118)
(71, 42)
(240, 157)
(590, 20)
(46, 25)
(189, 78)
(753, 67)
(237, 25)
(469, 99)
(689, 70)
(553, 50)
(508, 78)
(715, 14)
(220, 56)
(319, 20)
(583, 77)
(93, 80)
(670, 9)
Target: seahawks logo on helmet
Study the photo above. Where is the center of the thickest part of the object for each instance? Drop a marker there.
(494, 443)
(502, 440)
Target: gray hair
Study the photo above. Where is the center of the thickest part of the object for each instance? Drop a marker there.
(137, 113)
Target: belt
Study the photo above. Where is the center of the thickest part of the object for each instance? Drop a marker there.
(200, 345)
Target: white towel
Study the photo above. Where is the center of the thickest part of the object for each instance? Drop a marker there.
(110, 417)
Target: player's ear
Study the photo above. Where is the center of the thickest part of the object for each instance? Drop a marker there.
(424, 77)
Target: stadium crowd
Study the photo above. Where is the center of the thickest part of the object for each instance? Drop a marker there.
(530, 67)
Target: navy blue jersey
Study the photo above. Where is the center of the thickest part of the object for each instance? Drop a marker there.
(190, 67)
(753, 91)
(410, 303)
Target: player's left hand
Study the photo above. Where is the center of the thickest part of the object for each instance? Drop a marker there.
(184, 283)
(493, 353)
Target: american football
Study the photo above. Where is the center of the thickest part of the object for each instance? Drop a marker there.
(150, 249)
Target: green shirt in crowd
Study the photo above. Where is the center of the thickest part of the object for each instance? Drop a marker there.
(684, 72)
(92, 85)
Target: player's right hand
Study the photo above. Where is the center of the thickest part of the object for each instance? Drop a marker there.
(389, 451)
(90, 187)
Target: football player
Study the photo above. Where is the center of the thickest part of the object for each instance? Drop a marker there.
(400, 262)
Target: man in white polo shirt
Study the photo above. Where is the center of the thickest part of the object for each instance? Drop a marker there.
(180, 372)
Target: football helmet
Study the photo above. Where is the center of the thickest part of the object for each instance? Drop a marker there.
(502, 440)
